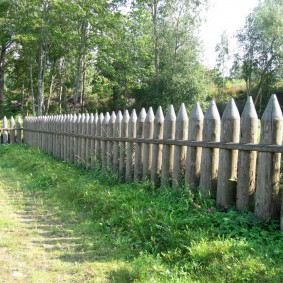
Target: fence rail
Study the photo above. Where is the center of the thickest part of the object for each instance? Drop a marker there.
(219, 156)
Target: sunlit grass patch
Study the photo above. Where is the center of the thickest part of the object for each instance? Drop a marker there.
(97, 228)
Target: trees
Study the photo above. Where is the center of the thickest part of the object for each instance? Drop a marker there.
(261, 41)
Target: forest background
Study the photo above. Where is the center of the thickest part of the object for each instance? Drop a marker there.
(62, 56)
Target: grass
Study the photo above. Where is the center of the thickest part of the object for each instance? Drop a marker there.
(93, 228)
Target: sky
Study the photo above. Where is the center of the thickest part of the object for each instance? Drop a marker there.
(223, 15)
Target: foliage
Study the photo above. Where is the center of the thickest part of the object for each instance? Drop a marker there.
(166, 236)
(261, 48)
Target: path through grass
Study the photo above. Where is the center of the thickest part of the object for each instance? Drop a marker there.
(60, 223)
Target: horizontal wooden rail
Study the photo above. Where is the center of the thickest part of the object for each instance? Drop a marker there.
(220, 145)
(10, 129)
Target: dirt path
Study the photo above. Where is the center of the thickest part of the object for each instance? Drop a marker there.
(37, 246)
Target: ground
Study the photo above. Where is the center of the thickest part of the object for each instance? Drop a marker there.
(36, 246)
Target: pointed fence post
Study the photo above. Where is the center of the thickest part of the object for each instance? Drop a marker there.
(82, 140)
(147, 151)
(193, 159)
(69, 138)
(26, 127)
(247, 159)
(103, 142)
(5, 131)
(168, 150)
(209, 157)
(78, 138)
(98, 143)
(87, 141)
(123, 145)
(73, 138)
(12, 131)
(93, 125)
(90, 147)
(139, 146)
(227, 172)
(181, 133)
(131, 146)
(268, 165)
(116, 146)
(110, 132)
(157, 148)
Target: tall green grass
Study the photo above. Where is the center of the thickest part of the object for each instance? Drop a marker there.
(166, 236)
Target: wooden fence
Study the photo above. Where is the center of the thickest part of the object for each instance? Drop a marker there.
(11, 133)
(219, 156)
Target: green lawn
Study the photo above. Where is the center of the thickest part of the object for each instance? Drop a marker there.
(85, 226)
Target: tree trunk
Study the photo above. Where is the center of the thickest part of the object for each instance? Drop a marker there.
(61, 82)
(31, 89)
(40, 79)
(50, 93)
(155, 38)
(2, 70)
(82, 100)
(22, 97)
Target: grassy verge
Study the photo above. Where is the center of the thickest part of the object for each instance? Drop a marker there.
(138, 234)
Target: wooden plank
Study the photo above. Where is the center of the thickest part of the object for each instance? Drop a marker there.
(227, 171)
(148, 134)
(209, 158)
(103, 143)
(157, 148)
(193, 159)
(130, 158)
(168, 150)
(139, 146)
(247, 159)
(12, 131)
(123, 145)
(268, 169)
(116, 146)
(181, 133)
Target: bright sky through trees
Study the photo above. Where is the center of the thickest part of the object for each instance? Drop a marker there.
(223, 15)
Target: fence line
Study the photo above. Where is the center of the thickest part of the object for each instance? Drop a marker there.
(220, 156)
(12, 133)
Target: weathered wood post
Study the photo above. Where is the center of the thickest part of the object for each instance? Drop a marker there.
(209, 157)
(268, 165)
(103, 142)
(82, 140)
(54, 135)
(78, 139)
(181, 133)
(227, 172)
(69, 138)
(123, 145)
(139, 146)
(5, 131)
(98, 143)
(90, 142)
(65, 137)
(12, 131)
(168, 150)
(73, 138)
(117, 134)
(110, 132)
(157, 148)
(26, 127)
(93, 126)
(131, 146)
(147, 151)
(193, 159)
(247, 159)
(87, 141)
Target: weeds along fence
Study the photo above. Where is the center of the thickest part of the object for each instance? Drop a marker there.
(221, 157)
(11, 131)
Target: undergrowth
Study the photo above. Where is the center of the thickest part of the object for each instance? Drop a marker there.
(165, 235)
